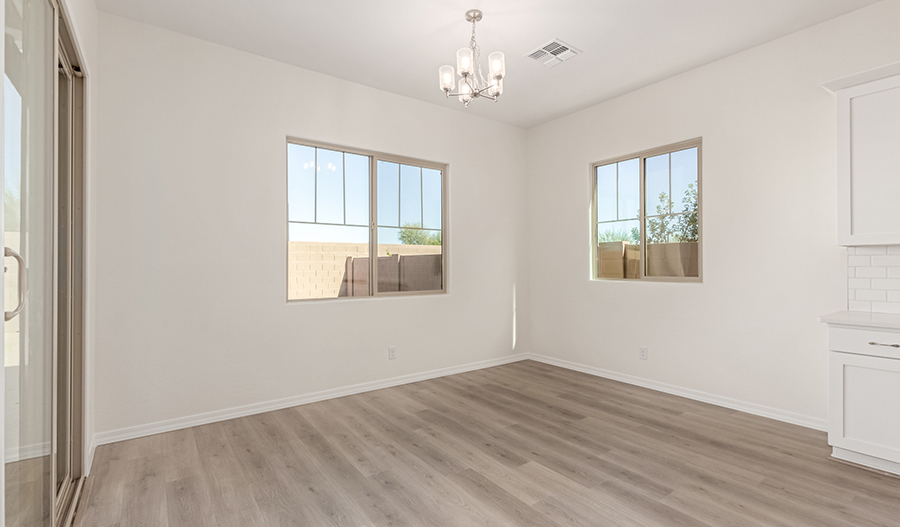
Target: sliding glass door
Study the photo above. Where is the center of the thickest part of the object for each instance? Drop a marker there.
(42, 212)
(28, 204)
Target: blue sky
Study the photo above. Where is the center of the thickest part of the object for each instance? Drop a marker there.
(327, 186)
(618, 187)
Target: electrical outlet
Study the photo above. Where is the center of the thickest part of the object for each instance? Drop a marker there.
(392, 352)
(644, 354)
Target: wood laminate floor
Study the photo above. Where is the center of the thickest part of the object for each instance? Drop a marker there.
(27, 492)
(525, 444)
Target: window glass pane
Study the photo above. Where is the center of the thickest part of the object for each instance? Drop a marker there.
(356, 179)
(684, 180)
(669, 191)
(329, 225)
(388, 194)
(329, 186)
(410, 196)
(618, 249)
(660, 229)
(431, 198)
(656, 185)
(301, 183)
(629, 188)
(409, 260)
(670, 255)
(327, 261)
(606, 193)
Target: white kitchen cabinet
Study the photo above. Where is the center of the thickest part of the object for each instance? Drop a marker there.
(868, 158)
(864, 388)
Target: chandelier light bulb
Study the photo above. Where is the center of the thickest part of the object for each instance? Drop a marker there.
(496, 87)
(465, 91)
(446, 78)
(464, 62)
(498, 65)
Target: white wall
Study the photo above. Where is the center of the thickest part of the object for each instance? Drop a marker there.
(190, 193)
(771, 260)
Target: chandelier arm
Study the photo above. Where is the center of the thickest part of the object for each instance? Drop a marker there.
(478, 93)
(473, 88)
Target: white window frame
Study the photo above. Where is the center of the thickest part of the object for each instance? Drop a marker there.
(642, 217)
(374, 158)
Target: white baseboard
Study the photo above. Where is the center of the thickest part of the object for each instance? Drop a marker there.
(883, 465)
(26, 452)
(133, 432)
(89, 462)
(750, 408)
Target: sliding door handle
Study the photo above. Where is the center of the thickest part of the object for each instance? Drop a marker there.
(23, 284)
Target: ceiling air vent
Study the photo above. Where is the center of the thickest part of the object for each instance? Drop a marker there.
(553, 52)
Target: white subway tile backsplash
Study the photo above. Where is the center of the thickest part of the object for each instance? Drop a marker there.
(890, 284)
(886, 260)
(873, 278)
(871, 294)
(886, 307)
(862, 261)
(871, 249)
(859, 283)
(871, 272)
(858, 305)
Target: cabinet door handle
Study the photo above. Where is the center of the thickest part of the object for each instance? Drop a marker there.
(886, 345)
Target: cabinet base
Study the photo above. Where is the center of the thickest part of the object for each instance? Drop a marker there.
(890, 468)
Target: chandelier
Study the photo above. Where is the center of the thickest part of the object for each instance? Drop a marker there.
(473, 83)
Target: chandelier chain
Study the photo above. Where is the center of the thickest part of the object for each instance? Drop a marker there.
(479, 79)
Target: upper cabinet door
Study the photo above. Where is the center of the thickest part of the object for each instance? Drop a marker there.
(868, 156)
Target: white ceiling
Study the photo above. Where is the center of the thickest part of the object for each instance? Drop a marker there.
(398, 45)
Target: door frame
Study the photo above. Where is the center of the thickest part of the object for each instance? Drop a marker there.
(65, 498)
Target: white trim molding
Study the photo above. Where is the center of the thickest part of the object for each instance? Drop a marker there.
(718, 400)
(159, 427)
(134, 432)
(857, 458)
(89, 456)
(26, 452)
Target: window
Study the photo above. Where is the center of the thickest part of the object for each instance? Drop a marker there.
(646, 215)
(362, 223)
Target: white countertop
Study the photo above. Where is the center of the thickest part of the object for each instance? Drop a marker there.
(862, 319)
